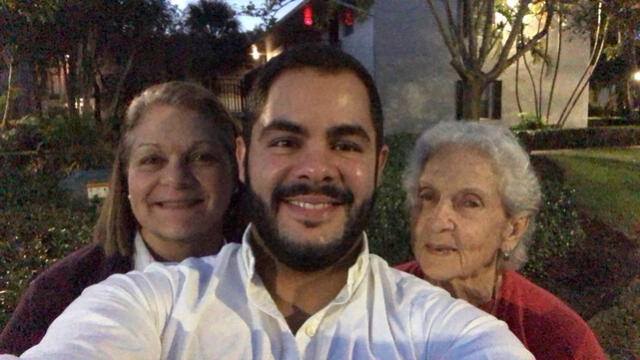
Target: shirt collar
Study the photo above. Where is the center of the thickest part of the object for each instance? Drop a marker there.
(141, 255)
(356, 273)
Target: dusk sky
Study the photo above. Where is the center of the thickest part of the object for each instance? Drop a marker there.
(248, 23)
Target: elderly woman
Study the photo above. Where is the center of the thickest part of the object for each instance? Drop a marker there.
(473, 198)
(172, 182)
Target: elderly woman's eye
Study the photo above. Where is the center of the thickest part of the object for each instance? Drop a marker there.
(150, 160)
(426, 195)
(471, 203)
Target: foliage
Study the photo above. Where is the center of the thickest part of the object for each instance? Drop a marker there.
(558, 229)
(482, 45)
(619, 327)
(39, 221)
(388, 229)
(214, 43)
(39, 224)
(530, 122)
(552, 138)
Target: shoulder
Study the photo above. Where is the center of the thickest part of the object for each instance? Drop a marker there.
(520, 290)
(439, 324)
(412, 267)
(546, 320)
(422, 297)
(175, 280)
(81, 268)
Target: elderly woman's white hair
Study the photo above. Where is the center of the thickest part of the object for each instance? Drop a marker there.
(518, 185)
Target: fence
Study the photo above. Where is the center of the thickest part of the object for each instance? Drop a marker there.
(229, 91)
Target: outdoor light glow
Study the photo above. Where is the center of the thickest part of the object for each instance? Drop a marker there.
(307, 13)
(254, 52)
(636, 76)
(512, 3)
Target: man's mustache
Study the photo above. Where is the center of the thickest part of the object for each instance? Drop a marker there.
(341, 196)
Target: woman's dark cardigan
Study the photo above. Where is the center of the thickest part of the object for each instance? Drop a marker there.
(53, 290)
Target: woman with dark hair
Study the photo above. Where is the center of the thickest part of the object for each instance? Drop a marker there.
(473, 197)
(174, 177)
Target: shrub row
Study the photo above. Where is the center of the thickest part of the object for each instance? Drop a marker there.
(611, 121)
(548, 139)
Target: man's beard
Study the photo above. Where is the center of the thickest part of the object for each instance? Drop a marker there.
(311, 256)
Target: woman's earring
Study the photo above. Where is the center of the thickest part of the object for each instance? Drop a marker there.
(506, 255)
(129, 197)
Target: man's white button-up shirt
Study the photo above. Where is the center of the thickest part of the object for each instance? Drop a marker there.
(217, 307)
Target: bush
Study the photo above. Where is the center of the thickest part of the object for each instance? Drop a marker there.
(40, 222)
(611, 121)
(530, 122)
(388, 229)
(558, 230)
(618, 328)
(579, 138)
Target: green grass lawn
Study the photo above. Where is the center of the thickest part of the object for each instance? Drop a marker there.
(607, 183)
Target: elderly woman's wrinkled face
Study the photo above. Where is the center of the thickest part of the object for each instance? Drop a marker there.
(179, 176)
(459, 221)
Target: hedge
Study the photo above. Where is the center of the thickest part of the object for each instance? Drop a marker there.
(548, 139)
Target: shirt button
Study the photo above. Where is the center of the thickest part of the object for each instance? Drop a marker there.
(310, 331)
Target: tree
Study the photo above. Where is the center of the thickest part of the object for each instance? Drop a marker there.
(482, 45)
(579, 17)
(624, 18)
(216, 45)
(17, 21)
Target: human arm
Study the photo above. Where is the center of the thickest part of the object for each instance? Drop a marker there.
(121, 318)
(458, 330)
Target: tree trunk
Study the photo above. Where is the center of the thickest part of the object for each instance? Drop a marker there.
(70, 81)
(88, 73)
(7, 103)
(115, 101)
(472, 99)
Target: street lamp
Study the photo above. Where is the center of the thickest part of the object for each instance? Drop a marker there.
(255, 54)
(636, 76)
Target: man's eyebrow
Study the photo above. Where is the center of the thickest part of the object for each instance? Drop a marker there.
(348, 130)
(283, 125)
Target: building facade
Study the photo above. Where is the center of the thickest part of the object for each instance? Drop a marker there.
(401, 46)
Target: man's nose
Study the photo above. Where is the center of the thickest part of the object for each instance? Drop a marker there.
(317, 165)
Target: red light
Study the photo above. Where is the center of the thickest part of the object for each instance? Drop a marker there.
(307, 14)
(347, 17)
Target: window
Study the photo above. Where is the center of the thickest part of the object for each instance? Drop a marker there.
(490, 104)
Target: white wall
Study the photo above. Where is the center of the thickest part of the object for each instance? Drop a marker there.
(415, 80)
(360, 43)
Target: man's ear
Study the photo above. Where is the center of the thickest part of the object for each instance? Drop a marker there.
(382, 161)
(516, 227)
(241, 152)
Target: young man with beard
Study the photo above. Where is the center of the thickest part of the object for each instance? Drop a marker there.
(302, 285)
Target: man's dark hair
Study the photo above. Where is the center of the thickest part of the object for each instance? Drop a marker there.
(322, 58)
